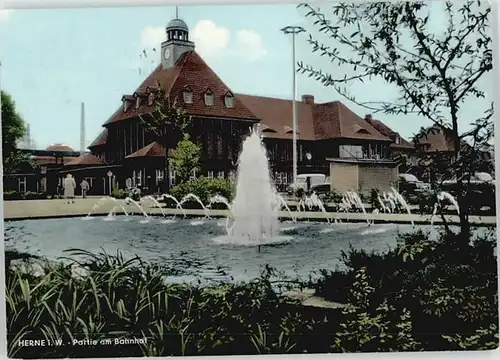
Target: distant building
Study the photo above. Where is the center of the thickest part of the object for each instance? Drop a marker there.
(43, 174)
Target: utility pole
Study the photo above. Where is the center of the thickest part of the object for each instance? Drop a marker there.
(294, 30)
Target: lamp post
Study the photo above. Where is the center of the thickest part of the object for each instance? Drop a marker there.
(294, 30)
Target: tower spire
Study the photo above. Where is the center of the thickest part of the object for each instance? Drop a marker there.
(176, 11)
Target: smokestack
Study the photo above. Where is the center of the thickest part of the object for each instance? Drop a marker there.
(27, 137)
(82, 129)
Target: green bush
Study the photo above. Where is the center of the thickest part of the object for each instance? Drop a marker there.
(29, 195)
(118, 193)
(444, 284)
(204, 188)
(11, 195)
(332, 197)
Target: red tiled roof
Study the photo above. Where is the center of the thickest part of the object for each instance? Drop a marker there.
(85, 159)
(190, 70)
(435, 140)
(276, 114)
(59, 147)
(335, 120)
(387, 131)
(315, 121)
(40, 160)
(152, 150)
(100, 139)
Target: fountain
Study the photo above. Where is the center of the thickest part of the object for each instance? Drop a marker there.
(100, 202)
(219, 199)
(149, 197)
(111, 215)
(441, 197)
(198, 200)
(401, 200)
(179, 205)
(281, 202)
(132, 201)
(254, 209)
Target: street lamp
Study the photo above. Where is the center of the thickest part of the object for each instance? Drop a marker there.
(294, 30)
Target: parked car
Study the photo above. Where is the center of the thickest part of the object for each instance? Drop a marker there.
(302, 182)
(410, 185)
(481, 190)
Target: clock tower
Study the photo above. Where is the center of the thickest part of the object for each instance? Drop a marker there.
(177, 43)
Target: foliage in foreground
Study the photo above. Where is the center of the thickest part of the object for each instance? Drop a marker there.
(423, 295)
(444, 286)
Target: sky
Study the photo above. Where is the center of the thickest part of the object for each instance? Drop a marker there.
(54, 59)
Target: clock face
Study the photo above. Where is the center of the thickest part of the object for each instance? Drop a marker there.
(166, 54)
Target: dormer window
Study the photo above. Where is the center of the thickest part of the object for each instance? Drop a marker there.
(127, 100)
(187, 96)
(398, 139)
(137, 102)
(209, 98)
(229, 100)
(151, 98)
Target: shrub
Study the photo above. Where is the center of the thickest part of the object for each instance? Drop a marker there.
(118, 193)
(333, 197)
(444, 284)
(204, 188)
(11, 195)
(29, 195)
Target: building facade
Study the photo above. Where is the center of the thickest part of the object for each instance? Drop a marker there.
(221, 119)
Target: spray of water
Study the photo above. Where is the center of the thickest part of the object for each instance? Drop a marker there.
(254, 209)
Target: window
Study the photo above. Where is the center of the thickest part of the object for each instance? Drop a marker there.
(277, 178)
(210, 174)
(351, 151)
(398, 139)
(220, 146)
(138, 181)
(151, 98)
(209, 98)
(193, 174)
(172, 175)
(159, 176)
(220, 174)
(232, 176)
(229, 100)
(137, 102)
(125, 105)
(187, 96)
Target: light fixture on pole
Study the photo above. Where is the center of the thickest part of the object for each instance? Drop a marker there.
(294, 30)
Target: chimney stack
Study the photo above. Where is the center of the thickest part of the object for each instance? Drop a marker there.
(368, 117)
(82, 130)
(308, 99)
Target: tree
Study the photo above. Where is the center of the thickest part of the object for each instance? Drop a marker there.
(13, 129)
(186, 158)
(167, 122)
(434, 74)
